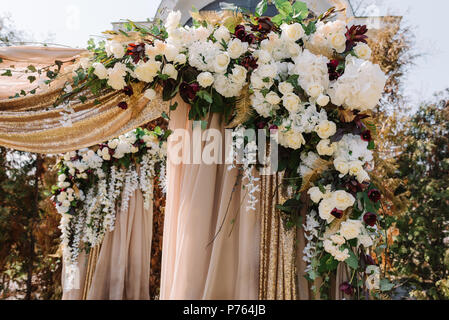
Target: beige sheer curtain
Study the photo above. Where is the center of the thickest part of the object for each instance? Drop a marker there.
(122, 270)
(203, 201)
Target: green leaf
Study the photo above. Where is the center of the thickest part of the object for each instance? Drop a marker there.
(284, 7)
(310, 28)
(261, 8)
(352, 261)
(371, 145)
(203, 94)
(1, 60)
(386, 285)
(32, 68)
(300, 10)
(327, 263)
(203, 124)
(173, 106)
(32, 79)
(7, 73)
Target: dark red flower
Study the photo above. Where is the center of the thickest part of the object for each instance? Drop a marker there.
(240, 32)
(261, 124)
(369, 261)
(123, 105)
(249, 62)
(250, 38)
(136, 51)
(355, 34)
(337, 213)
(273, 127)
(370, 218)
(264, 25)
(332, 67)
(188, 91)
(347, 288)
(374, 195)
(366, 135)
(128, 90)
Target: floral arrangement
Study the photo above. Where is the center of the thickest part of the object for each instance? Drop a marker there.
(304, 77)
(91, 182)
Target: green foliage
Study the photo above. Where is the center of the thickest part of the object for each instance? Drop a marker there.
(420, 249)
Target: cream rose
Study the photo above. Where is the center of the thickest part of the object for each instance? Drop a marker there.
(236, 48)
(324, 148)
(285, 87)
(340, 255)
(325, 129)
(294, 140)
(291, 102)
(363, 51)
(325, 208)
(342, 199)
(205, 79)
(355, 167)
(292, 32)
(350, 229)
(180, 59)
(263, 56)
(314, 90)
(362, 176)
(100, 70)
(338, 239)
(171, 52)
(338, 40)
(115, 48)
(323, 100)
(315, 194)
(222, 33)
(221, 62)
(170, 70)
(148, 70)
(272, 98)
(341, 165)
(239, 74)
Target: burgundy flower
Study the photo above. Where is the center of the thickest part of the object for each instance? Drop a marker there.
(369, 261)
(128, 90)
(123, 105)
(264, 25)
(136, 51)
(366, 136)
(337, 213)
(353, 186)
(347, 288)
(355, 34)
(374, 195)
(261, 125)
(370, 218)
(332, 68)
(240, 32)
(273, 127)
(250, 38)
(249, 62)
(188, 91)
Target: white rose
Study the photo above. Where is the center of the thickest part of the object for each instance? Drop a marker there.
(263, 56)
(205, 79)
(292, 32)
(239, 74)
(100, 70)
(325, 208)
(148, 70)
(171, 52)
(285, 87)
(173, 20)
(294, 140)
(326, 129)
(338, 239)
(116, 76)
(341, 165)
(365, 240)
(134, 149)
(113, 143)
(150, 94)
(85, 63)
(180, 59)
(355, 167)
(236, 48)
(342, 199)
(272, 98)
(62, 177)
(294, 49)
(170, 70)
(324, 148)
(222, 33)
(221, 62)
(115, 48)
(363, 51)
(291, 102)
(323, 100)
(338, 40)
(315, 194)
(350, 229)
(314, 90)
(362, 176)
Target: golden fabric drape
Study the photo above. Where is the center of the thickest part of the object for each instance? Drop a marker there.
(31, 123)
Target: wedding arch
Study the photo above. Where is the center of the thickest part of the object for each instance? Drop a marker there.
(302, 82)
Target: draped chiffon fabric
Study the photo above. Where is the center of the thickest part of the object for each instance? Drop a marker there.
(210, 244)
(122, 271)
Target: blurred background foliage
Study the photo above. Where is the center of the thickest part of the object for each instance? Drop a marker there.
(411, 169)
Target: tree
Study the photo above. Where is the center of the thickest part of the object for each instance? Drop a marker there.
(420, 252)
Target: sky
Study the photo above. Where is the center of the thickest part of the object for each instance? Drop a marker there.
(72, 23)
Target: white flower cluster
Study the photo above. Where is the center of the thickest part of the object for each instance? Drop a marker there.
(96, 206)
